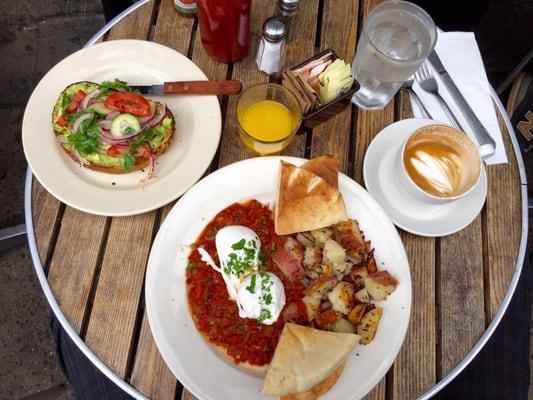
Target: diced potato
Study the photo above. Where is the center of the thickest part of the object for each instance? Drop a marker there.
(359, 270)
(322, 235)
(312, 304)
(333, 252)
(369, 324)
(326, 318)
(342, 297)
(348, 234)
(321, 287)
(371, 264)
(294, 248)
(356, 314)
(380, 284)
(305, 238)
(325, 305)
(342, 326)
(334, 256)
(361, 296)
(312, 257)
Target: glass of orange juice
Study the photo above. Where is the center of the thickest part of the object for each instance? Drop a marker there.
(268, 116)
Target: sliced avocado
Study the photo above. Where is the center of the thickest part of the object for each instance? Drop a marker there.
(104, 160)
(99, 108)
(69, 91)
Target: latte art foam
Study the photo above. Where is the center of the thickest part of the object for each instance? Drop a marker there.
(441, 161)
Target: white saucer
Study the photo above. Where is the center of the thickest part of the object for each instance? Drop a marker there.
(407, 212)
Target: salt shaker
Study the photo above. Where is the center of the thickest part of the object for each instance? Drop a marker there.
(271, 51)
(287, 9)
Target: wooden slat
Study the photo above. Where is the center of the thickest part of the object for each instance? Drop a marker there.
(74, 263)
(503, 226)
(150, 375)
(333, 136)
(171, 29)
(136, 25)
(45, 209)
(415, 367)
(113, 320)
(114, 313)
(461, 294)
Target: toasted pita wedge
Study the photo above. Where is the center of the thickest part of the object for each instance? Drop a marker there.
(306, 357)
(306, 201)
(318, 390)
(326, 167)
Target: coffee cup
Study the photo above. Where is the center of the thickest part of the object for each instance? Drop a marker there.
(439, 164)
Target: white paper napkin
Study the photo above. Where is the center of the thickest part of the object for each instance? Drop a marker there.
(460, 56)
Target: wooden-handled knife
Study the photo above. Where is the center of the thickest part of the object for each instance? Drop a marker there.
(219, 88)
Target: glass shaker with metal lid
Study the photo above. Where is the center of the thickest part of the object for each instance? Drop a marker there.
(287, 9)
(271, 51)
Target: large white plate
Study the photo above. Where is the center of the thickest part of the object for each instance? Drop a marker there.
(198, 126)
(183, 348)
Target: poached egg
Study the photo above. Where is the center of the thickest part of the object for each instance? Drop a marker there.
(259, 295)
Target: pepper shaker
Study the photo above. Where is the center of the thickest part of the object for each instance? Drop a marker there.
(271, 51)
(287, 9)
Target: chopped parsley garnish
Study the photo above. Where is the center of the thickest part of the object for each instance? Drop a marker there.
(251, 288)
(237, 265)
(239, 245)
(65, 101)
(113, 86)
(190, 266)
(85, 139)
(265, 314)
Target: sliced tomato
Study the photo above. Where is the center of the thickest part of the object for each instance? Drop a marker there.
(62, 121)
(127, 102)
(75, 102)
(117, 150)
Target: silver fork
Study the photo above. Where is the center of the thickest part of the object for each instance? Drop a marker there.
(426, 80)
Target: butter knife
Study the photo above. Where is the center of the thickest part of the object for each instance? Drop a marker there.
(487, 145)
(192, 87)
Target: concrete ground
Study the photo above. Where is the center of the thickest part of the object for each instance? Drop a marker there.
(34, 36)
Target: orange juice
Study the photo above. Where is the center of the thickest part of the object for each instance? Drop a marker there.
(268, 121)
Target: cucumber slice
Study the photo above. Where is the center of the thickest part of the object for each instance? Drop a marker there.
(124, 124)
(99, 108)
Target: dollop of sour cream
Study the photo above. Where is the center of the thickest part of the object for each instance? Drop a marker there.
(259, 295)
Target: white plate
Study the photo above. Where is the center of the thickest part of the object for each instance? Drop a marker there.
(406, 211)
(198, 126)
(183, 348)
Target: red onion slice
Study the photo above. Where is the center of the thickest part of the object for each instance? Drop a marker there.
(146, 151)
(105, 124)
(110, 116)
(79, 120)
(160, 113)
(91, 95)
(153, 107)
(107, 137)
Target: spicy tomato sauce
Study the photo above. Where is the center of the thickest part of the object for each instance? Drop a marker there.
(215, 315)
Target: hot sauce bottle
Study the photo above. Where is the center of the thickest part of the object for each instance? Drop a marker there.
(187, 8)
(225, 28)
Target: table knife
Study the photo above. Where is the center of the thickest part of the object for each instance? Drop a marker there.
(487, 145)
(192, 87)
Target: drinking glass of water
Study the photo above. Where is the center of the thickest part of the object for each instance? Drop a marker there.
(397, 37)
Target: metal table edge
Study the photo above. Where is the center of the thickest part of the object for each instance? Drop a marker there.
(32, 242)
(133, 392)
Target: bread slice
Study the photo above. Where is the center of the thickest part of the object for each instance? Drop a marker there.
(140, 162)
(326, 167)
(319, 389)
(307, 359)
(306, 201)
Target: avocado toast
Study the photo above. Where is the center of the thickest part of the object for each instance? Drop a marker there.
(109, 128)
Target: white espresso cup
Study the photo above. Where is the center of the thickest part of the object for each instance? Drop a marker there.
(439, 164)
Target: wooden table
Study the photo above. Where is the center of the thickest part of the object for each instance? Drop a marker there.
(93, 267)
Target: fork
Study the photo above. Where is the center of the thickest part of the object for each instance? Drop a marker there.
(427, 82)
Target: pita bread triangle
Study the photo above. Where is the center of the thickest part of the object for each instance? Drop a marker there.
(306, 201)
(305, 357)
(326, 167)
